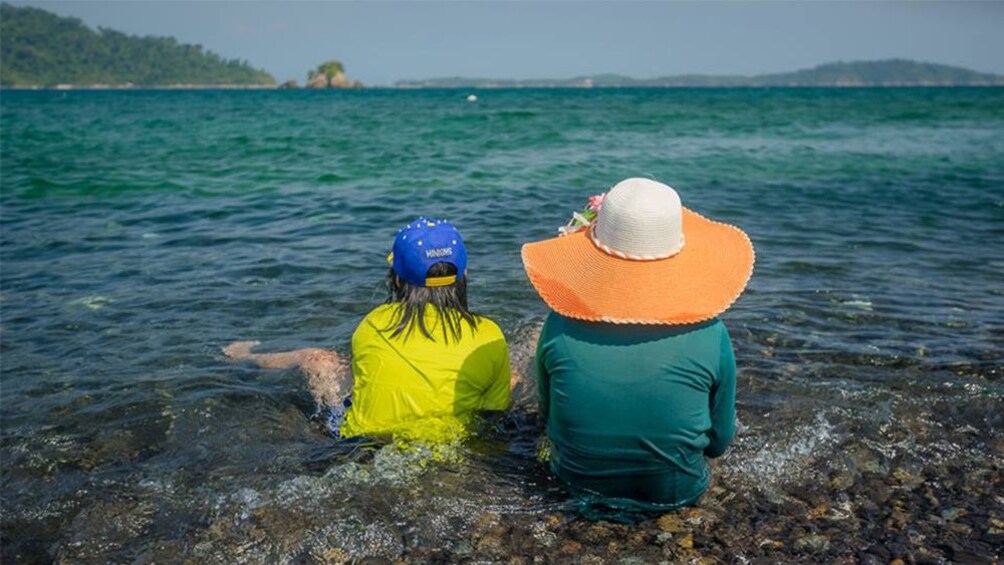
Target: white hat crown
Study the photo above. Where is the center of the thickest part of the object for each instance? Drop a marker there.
(640, 219)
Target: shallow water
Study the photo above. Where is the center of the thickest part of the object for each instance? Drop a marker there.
(142, 231)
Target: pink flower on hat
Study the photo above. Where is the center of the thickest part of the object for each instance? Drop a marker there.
(596, 202)
(586, 217)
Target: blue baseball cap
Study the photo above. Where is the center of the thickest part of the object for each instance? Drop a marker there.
(423, 243)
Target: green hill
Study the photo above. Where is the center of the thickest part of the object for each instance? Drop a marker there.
(891, 72)
(39, 48)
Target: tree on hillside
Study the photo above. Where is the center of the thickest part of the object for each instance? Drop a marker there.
(328, 68)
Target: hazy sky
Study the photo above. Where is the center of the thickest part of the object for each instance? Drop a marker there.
(381, 42)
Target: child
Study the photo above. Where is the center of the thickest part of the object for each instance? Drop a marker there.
(422, 363)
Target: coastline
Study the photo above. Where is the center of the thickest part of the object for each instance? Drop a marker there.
(118, 87)
(499, 86)
(144, 87)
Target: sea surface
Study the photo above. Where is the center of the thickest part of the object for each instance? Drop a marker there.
(144, 230)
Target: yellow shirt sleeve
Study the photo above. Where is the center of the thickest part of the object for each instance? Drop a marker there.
(496, 396)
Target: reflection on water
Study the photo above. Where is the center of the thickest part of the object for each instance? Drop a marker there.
(142, 231)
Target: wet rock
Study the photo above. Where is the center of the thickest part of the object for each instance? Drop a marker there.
(463, 548)
(335, 556)
(597, 533)
(818, 511)
(570, 547)
(542, 535)
(671, 523)
(638, 538)
(961, 529)
(161, 552)
(493, 542)
(879, 552)
(876, 489)
(867, 460)
(897, 520)
(951, 514)
(925, 557)
(811, 543)
(968, 557)
(916, 538)
(906, 478)
(697, 516)
(104, 527)
(841, 481)
(771, 544)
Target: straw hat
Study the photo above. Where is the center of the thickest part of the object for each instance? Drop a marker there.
(644, 260)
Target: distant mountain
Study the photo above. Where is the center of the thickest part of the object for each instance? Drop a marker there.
(891, 72)
(39, 48)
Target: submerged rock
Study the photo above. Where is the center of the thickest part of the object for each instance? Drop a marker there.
(953, 513)
(811, 543)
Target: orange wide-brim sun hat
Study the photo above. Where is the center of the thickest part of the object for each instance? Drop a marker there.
(581, 276)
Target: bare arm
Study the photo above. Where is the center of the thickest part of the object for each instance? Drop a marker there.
(329, 377)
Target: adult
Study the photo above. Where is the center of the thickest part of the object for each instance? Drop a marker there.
(636, 374)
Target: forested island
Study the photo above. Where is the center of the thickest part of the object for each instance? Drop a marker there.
(41, 49)
(891, 72)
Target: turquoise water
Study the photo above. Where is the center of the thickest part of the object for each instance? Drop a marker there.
(142, 231)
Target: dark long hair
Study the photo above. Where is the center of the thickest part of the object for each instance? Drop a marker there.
(449, 301)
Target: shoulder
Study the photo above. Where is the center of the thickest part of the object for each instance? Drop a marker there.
(380, 314)
(379, 317)
(713, 328)
(719, 329)
(554, 322)
(488, 330)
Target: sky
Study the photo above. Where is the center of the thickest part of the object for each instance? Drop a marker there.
(384, 41)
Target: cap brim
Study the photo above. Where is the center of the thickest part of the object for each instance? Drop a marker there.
(578, 280)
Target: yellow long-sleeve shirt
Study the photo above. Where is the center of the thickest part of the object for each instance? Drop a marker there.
(419, 388)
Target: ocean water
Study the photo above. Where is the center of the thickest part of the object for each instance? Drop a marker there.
(142, 231)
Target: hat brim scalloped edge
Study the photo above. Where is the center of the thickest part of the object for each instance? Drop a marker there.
(578, 280)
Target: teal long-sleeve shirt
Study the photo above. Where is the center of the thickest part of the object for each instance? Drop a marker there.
(632, 410)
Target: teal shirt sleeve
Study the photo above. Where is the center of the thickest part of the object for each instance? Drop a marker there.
(723, 401)
(543, 381)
